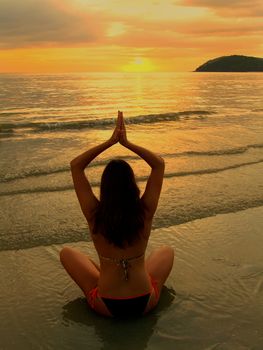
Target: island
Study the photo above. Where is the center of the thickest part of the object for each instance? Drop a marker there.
(234, 63)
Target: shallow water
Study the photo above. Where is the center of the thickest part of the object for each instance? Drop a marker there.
(212, 299)
(208, 127)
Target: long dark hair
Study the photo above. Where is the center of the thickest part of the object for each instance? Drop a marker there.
(120, 214)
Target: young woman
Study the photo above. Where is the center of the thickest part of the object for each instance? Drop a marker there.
(125, 284)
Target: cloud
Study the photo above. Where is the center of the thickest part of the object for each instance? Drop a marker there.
(186, 33)
(101, 23)
(201, 43)
(30, 23)
(232, 8)
(222, 27)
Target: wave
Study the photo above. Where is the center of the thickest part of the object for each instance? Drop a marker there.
(212, 170)
(223, 152)
(43, 172)
(33, 173)
(139, 179)
(200, 212)
(28, 239)
(98, 123)
(7, 114)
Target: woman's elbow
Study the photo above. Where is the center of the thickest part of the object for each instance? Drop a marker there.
(74, 164)
(161, 162)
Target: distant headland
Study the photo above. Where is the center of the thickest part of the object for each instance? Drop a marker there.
(234, 63)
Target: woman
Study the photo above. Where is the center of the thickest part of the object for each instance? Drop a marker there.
(125, 284)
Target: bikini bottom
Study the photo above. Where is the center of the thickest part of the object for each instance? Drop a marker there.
(127, 307)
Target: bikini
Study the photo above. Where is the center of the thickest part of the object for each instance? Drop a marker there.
(133, 306)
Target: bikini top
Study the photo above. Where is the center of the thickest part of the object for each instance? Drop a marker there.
(124, 263)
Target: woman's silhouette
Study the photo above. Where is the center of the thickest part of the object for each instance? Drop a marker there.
(125, 284)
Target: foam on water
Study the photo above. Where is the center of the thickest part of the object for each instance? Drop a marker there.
(223, 152)
(9, 128)
(96, 184)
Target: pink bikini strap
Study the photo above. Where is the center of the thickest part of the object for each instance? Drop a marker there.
(93, 294)
(155, 287)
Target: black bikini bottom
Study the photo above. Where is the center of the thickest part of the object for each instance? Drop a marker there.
(128, 307)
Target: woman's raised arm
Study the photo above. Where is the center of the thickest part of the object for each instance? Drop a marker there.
(153, 188)
(87, 200)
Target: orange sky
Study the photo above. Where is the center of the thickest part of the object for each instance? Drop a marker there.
(42, 36)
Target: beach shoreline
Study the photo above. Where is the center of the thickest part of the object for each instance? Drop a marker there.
(217, 269)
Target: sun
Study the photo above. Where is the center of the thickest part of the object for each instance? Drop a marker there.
(139, 64)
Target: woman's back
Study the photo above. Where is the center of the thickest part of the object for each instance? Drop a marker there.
(122, 270)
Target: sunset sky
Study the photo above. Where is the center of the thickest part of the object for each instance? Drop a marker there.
(56, 36)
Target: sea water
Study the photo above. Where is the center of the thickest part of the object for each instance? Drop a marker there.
(207, 126)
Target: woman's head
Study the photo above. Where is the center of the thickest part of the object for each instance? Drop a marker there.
(118, 182)
(120, 215)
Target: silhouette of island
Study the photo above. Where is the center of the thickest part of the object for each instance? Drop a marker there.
(234, 63)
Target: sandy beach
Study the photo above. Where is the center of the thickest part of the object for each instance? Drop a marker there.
(212, 300)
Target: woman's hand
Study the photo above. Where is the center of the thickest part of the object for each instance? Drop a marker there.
(123, 137)
(117, 131)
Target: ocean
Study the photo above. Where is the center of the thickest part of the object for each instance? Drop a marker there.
(207, 126)
(209, 129)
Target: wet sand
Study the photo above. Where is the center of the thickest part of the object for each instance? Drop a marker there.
(212, 300)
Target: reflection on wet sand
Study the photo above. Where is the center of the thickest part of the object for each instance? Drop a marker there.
(116, 333)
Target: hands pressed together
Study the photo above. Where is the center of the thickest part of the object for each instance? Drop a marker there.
(119, 133)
